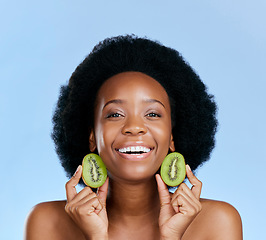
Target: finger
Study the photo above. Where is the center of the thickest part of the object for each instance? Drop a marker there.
(85, 193)
(167, 210)
(179, 203)
(164, 195)
(75, 204)
(182, 205)
(91, 206)
(71, 191)
(186, 193)
(192, 202)
(197, 184)
(184, 190)
(103, 191)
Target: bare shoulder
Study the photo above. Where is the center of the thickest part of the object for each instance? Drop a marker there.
(48, 220)
(218, 220)
(219, 209)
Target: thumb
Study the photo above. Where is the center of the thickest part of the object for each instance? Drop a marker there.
(167, 210)
(71, 191)
(164, 195)
(102, 192)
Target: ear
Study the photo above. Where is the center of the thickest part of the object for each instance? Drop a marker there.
(172, 144)
(92, 141)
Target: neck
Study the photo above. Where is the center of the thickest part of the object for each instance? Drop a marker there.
(127, 202)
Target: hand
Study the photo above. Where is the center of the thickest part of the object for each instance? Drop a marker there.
(179, 210)
(86, 208)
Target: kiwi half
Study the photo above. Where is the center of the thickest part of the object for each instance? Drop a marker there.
(173, 169)
(94, 172)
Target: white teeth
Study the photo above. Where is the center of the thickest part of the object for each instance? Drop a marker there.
(146, 149)
(133, 149)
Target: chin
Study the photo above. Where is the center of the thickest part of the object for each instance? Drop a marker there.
(132, 177)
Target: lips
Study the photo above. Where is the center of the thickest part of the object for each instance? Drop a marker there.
(134, 152)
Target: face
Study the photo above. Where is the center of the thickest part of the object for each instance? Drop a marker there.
(132, 130)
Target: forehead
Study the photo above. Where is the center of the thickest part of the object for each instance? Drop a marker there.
(128, 85)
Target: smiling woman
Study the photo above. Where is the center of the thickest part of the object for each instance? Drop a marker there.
(132, 111)
(132, 101)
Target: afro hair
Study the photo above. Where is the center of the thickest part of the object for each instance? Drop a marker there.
(193, 110)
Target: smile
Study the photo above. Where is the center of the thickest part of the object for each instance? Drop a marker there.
(134, 150)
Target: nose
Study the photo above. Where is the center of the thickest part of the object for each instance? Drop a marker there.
(134, 125)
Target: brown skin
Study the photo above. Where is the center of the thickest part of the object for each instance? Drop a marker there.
(133, 109)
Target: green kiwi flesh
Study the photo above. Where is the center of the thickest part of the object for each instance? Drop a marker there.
(94, 172)
(173, 169)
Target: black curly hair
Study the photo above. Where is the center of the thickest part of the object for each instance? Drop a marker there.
(193, 110)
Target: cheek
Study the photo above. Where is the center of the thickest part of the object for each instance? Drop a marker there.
(99, 138)
(105, 136)
(163, 133)
(162, 136)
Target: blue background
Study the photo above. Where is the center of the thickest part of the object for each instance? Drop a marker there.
(41, 43)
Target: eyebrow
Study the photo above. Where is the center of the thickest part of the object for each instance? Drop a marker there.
(114, 101)
(120, 101)
(153, 100)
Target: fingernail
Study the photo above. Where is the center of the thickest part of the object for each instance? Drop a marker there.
(77, 170)
(188, 167)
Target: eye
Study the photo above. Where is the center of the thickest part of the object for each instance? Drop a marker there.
(153, 115)
(114, 115)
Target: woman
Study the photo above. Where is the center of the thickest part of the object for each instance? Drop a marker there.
(132, 92)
